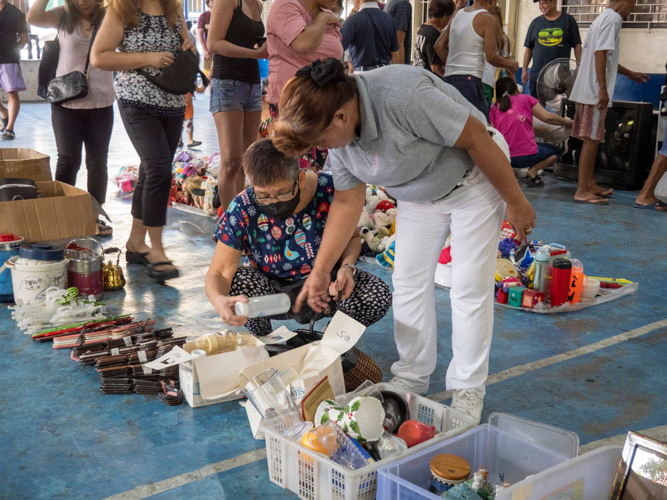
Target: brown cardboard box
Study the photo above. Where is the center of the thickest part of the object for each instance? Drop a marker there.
(24, 163)
(62, 211)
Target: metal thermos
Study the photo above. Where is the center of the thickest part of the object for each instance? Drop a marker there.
(541, 269)
(84, 270)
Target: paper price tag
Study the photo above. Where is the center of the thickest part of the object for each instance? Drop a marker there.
(147, 370)
(115, 351)
(173, 357)
(142, 356)
(128, 341)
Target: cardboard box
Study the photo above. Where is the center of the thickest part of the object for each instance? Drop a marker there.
(215, 379)
(24, 163)
(62, 211)
(315, 361)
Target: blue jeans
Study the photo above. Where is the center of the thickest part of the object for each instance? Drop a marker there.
(471, 88)
(233, 95)
(544, 151)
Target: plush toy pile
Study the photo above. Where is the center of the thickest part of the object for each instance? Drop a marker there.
(377, 223)
(194, 180)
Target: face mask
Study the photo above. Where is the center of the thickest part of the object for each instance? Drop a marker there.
(283, 209)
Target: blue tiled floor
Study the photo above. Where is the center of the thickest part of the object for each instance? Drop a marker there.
(61, 438)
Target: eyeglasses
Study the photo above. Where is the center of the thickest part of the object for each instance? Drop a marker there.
(279, 197)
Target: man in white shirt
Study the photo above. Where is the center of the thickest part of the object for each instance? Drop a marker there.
(592, 91)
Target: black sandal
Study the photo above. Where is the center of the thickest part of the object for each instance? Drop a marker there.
(532, 181)
(162, 275)
(136, 258)
(105, 231)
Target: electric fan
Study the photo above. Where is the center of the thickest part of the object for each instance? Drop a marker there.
(555, 82)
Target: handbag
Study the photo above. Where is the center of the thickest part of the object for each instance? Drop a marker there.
(181, 77)
(49, 64)
(73, 85)
(293, 289)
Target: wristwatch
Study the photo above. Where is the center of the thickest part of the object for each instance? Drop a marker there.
(353, 267)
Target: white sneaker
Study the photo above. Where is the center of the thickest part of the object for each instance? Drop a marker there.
(401, 384)
(468, 403)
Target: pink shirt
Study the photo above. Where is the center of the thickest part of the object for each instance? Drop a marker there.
(516, 124)
(287, 20)
(73, 51)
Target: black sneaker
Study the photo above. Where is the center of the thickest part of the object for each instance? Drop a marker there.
(194, 144)
(8, 135)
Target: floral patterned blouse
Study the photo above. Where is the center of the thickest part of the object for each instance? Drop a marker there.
(280, 249)
(152, 34)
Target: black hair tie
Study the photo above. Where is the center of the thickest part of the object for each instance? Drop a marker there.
(322, 72)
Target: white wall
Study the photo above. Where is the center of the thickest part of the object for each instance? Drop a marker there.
(641, 49)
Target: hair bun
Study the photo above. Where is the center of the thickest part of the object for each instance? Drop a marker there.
(323, 72)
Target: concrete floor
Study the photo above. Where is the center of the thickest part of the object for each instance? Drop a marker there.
(598, 372)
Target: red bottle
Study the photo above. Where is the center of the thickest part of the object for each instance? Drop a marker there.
(560, 281)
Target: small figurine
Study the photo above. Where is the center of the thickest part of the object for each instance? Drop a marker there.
(481, 485)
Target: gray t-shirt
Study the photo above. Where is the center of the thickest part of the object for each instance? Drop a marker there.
(410, 121)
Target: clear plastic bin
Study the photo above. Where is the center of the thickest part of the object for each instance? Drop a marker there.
(313, 476)
(588, 477)
(509, 447)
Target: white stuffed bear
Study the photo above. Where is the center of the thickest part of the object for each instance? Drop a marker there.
(365, 220)
(392, 213)
(381, 220)
(372, 204)
(381, 194)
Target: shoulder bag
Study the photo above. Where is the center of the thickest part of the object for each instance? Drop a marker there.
(73, 85)
(49, 63)
(181, 77)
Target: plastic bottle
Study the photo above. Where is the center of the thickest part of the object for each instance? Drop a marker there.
(243, 339)
(214, 343)
(541, 269)
(560, 281)
(576, 282)
(268, 305)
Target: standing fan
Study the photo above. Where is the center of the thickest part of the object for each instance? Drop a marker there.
(555, 82)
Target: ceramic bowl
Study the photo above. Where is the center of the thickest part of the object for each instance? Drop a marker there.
(591, 288)
(364, 418)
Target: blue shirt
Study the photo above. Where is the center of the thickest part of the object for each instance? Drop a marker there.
(401, 11)
(371, 37)
(280, 249)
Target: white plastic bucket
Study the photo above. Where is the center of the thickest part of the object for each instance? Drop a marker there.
(31, 278)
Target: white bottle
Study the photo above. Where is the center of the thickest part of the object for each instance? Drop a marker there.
(269, 305)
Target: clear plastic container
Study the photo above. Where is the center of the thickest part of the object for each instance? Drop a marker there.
(510, 448)
(591, 474)
(268, 305)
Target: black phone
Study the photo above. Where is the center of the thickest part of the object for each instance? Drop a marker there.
(261, 40)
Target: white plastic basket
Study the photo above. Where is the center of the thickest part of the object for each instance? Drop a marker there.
(312, 476)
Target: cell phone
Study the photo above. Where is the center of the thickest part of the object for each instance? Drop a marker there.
(261, 40)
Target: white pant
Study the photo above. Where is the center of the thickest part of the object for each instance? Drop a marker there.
(474, 214)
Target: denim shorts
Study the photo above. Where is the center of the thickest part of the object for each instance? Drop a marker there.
(544, 151)
(233, 95)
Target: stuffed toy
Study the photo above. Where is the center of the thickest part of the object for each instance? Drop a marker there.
(372, 244)
(384, 205)
(380, 193)
(372, 204)
(365, 220)
(195, 194)
(381, 220)
(392, 213)
(386, 258)
(209, 188)
(387, 241)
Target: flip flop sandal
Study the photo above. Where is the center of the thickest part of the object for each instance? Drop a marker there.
(594, 201)
(165, 275)
(105, 230)
(8, 135)
(607, 193)
(658, 207)
(532, 181)
(136, 258)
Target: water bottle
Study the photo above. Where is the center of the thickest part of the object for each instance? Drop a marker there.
(576, 282)
(560, 281)
(541, 269)
(268, 305)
